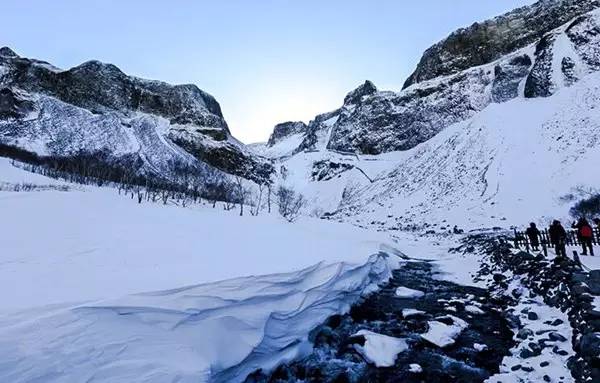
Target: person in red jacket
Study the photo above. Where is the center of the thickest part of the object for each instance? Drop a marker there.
(585, 233)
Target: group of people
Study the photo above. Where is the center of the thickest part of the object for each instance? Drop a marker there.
(558, 236)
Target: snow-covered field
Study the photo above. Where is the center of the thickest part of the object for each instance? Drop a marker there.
(97, 287)
(91, 243)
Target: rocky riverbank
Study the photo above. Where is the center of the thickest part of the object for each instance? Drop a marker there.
(535, 322)
(561, 284)
(415, 329)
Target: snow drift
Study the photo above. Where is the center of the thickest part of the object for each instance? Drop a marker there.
(217, 332)
(70, 309)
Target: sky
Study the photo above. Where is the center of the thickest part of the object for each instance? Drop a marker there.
(265, 61)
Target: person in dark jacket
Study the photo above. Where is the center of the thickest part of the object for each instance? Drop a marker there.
(585, 234)
(534, 236)
(558, 238)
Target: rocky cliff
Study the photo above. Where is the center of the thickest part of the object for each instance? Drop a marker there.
(95, 107)
(530, 52)
(482, 43)
(285, 130)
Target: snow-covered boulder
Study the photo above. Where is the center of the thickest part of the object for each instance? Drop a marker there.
(381, 350)
(444, 331)
(405, 292)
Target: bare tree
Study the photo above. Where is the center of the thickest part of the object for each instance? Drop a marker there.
(587, 207)
(259, 200)
(290, 203)
(241, 193)
(269, 197)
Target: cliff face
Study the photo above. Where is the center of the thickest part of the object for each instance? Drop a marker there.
(485, 42)
(522, 56)
(95, 107)
(284, 130)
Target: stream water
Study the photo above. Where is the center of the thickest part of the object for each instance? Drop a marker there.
(475, 355)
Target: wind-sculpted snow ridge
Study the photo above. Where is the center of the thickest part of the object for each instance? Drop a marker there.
(152, 126)
(217, 332)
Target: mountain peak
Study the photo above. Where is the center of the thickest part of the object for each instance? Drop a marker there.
(364, 90)
(7, 52)
(285, 129)
(98, 66)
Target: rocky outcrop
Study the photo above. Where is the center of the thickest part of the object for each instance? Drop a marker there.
(539, 82)
(95, 107)
(482, 43)
(508, 76)
(101, 87)
(284, 130)
(14, 104)
(317, 132)
(356, 96)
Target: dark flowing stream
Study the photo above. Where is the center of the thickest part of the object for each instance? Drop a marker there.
(335, 358)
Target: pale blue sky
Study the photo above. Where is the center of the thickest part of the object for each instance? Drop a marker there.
(265, 61)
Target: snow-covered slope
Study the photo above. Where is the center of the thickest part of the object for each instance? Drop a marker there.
(507, 139)
(508, 164)
(67, 314)
(148, 246)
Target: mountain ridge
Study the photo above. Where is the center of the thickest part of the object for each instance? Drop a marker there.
(384, 121)
(96, 107)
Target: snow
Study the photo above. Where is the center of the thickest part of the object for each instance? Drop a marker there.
(222, 331)
(557, 364)
(442, 334)
(415, 368)
(406, 313)
(405, 292)
(136, 286)
(592, 263)
(480, 347)
(474, 310)
(283, 148)
(381, 350)
(105, 245)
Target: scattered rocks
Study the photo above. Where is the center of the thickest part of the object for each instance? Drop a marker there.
(562, 284)
(478, 348)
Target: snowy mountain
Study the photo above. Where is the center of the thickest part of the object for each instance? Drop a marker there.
(498, 122)
(482, 43)
(150, 126)
(471, 148)
(564, 49)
